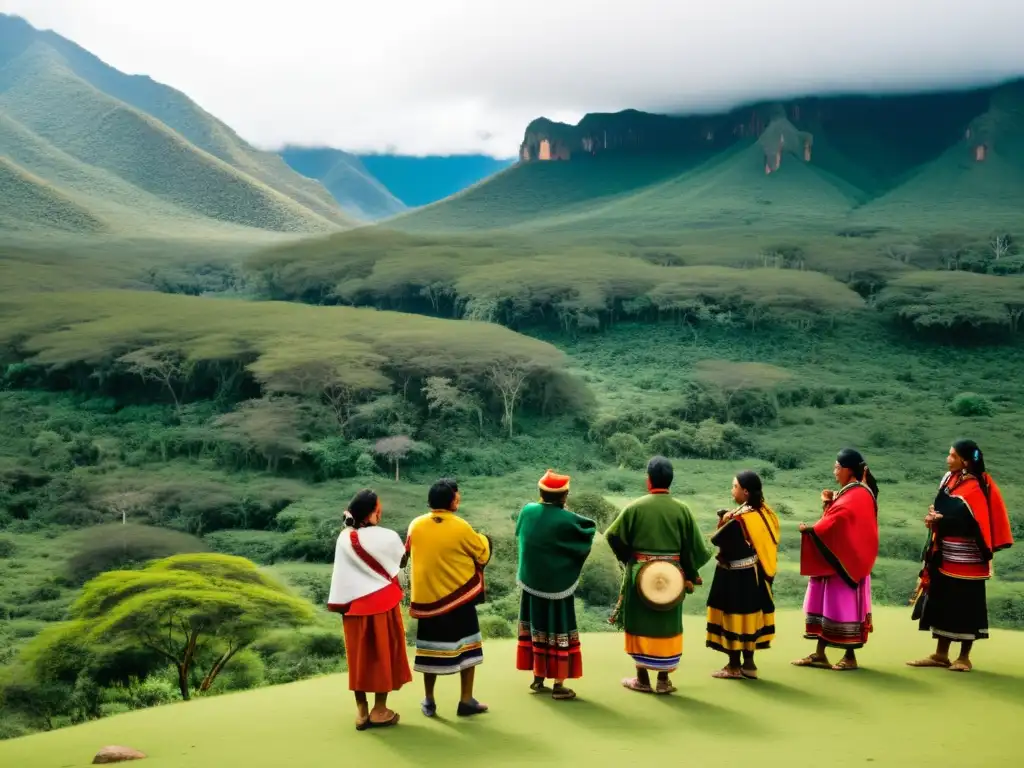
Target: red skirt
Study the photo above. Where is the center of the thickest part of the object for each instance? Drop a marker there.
(549, 643)
(375, 647)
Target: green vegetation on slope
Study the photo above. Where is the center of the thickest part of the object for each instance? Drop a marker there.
(790, 718)
(30, 203)
(534, 192)
(86, 129)
(773, 278)
(354, 349)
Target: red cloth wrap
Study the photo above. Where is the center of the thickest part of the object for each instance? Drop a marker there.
(844, 542)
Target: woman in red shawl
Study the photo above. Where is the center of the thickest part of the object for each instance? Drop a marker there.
(968, 524)
(838, 553)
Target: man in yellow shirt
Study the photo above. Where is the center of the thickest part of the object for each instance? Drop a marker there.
(446, 576)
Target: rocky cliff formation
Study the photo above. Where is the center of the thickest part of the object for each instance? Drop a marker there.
(1001, 127)
(886, 135)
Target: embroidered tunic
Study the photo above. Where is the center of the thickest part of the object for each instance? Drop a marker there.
(655, 526)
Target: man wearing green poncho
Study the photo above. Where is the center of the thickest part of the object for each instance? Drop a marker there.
(655, 527)
(553, 545)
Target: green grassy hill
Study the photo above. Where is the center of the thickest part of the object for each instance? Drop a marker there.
(346, 178)
(31, 204)
(728, 192)
(534, 194)
(958, 185)
(881, 715)
(138, 155)
(646, 193)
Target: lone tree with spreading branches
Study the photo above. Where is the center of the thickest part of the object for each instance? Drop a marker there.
(509, 377)
(161, 364)
(268, 427)
(195, 611)
(445, 396)
(1000, 245)
(398, 448)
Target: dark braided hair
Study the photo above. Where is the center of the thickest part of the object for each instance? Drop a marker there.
(361, 507)
(972, 456)
(751, 483)
(854, 461)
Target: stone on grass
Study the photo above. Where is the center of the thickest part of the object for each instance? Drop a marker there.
(117, 755)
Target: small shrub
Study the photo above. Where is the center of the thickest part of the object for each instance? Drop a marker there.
(783, 509)
(366, 465)
(674, 443)
(901, 544)
(7, 547)
(325, 644)
(592, 505)
(245, 671)
(311, 581)
(880, 438)
(12, 726)
(969, 404)
(601, 578)
(496, 628)
(615, 485)
(1009, 565)
(784, 458)
(752, 408)
(52, 451)
(1006, 606)
(141, 694)
(719, 441)
(44, 593)
(626, 449)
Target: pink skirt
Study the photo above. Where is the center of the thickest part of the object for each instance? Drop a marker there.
(837, 613)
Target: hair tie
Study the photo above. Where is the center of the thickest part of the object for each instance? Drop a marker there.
(977, 454)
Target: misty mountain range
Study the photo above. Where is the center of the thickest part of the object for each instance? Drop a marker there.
(85, 148)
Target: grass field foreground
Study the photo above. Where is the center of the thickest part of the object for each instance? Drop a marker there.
(884, 714)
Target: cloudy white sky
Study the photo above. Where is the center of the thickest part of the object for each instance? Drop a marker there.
(442, 76)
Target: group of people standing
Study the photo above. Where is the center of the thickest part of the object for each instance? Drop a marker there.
(661, 548)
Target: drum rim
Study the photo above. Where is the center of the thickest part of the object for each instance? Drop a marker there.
(661, 606)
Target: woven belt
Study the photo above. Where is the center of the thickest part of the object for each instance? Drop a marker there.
(746, 562)
(646, 557)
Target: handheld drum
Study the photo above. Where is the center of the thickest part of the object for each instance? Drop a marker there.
(661, 585)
